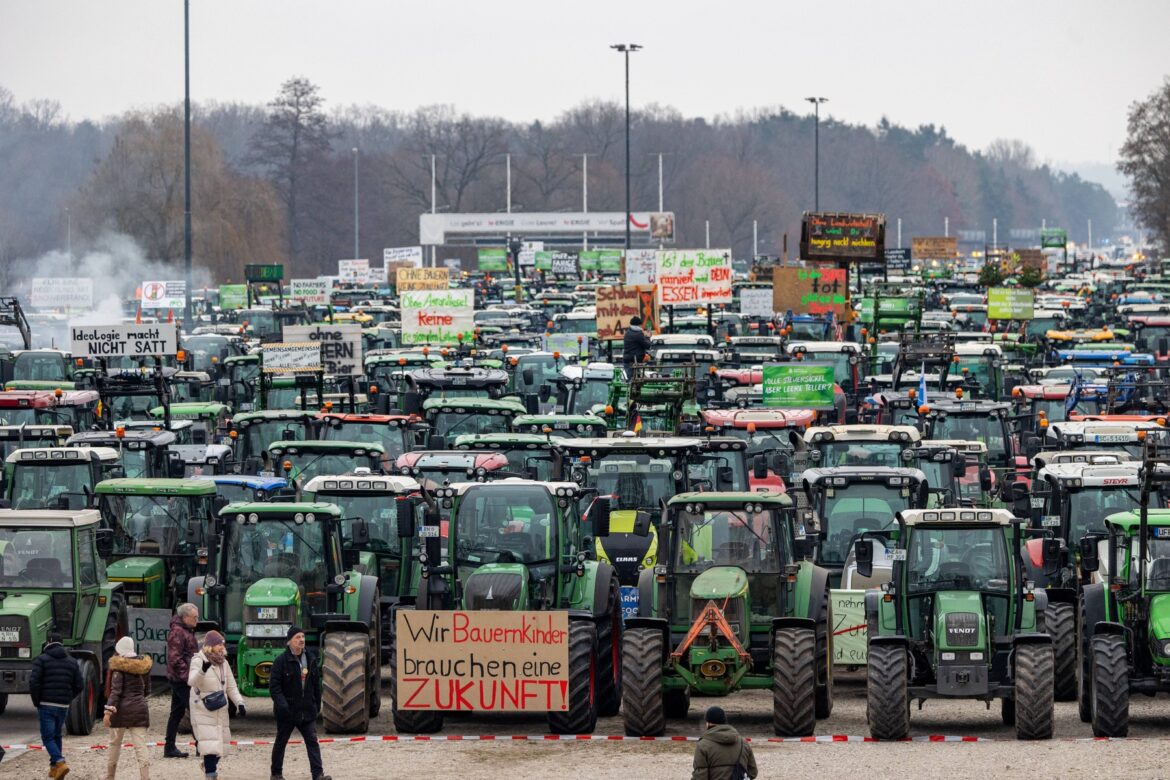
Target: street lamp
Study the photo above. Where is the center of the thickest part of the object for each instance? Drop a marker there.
(356, 254)
(187, 159)
(626, 48)
(816, 101)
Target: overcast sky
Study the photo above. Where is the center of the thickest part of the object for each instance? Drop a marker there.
(1058, 74)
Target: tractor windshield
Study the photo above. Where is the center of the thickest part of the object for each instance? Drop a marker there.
(860, 453)
(29, 415)
(152, 525)
(1088, 508)
(40, 367)
(306, 465)
(967, 427)
(452, 424)
(275, 548)
(639, 481)
(505, 525)
(853, 510)
(592, 392)
(1157, 559)
(719, 472)
(377, 509)
(389, 436)
(36, 557)
(37, 485)
(135, 463)
(726, 537)
(258, 435)
(957, 558)
(536, 464)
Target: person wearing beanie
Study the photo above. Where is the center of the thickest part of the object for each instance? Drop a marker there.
(126, 709)
(721, 752)
(295, 687)
(635, 344)
(54, 682)
(210, 673)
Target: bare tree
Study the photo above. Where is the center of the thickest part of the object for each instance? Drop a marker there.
(1145, 159)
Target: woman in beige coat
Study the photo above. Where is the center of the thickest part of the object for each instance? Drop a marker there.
(210, 672)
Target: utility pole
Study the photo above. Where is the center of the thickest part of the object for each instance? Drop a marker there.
(755, 239)
(816, 101)
(508, 166)
(660, 208)
(626, 49)
(356, 250)
(187, 159)
(434, 262)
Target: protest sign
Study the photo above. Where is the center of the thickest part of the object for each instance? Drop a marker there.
(437, 316)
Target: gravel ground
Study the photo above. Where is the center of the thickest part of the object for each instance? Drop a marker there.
(1071, 754)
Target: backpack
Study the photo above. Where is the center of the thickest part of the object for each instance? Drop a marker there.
(739, 771)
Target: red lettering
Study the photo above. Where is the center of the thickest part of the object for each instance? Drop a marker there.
(434, 319)
(459, 622)
(509, 692)
(422, 681)
(460, 702)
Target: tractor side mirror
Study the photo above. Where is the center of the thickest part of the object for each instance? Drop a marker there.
(529, 376)
(803, 549)
(1090, 561)
(600, 514)
(217, 504)
(1050, 553)
(360, 533)
(642, 524)
(405, 517)
(724, 477)
(961, 466)
(411, 403)
(351, 558)
(105, 542)
(863, 555)
(222, 393)
(760, 466)
(985, 479)
(288, 434)
(1031, 445)
(544, 393)
(436, 442)
(1021, 499)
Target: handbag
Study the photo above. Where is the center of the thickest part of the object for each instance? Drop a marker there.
(216, 700)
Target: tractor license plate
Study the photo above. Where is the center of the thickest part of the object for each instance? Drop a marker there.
(266, 613)
(1037, 502)
(267, 474)
(1112, 438)
(1050, 521)
(428, 532)
(898, 554)
(1159, 533)
(14, 635)
(629, 602)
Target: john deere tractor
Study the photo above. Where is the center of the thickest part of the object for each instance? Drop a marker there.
(730, 606)
(273, 565)
(517, 544)
(52, 579)
(956, 621)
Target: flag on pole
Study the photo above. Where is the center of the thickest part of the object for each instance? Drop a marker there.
(922, 385)
(638, 424)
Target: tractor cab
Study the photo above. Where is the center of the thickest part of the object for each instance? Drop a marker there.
(844, 356)
(767, 432)
(450, 418)
(945, 468)
(570, 426)
(1129, 437)
(432, 468)
(395, 432)
(210, 421)
(239, 381)
(32, 407)
(528, 454)
(57, 477)
(987, 421)
(143, 452)
(582, 389)
(237, 487)
(47, 368)
(254, 431)
(1051, 402)
(855, 445)
(454, 382)
(300, 461)
(981, 366)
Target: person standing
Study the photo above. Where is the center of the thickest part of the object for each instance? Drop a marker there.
(126, 709)
(295, 686)
(720, 750)
(212, 686)
(635, 344)
(181, 645)
(55, 681)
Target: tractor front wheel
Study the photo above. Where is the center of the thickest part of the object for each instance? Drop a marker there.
(580, 717)
(408, 721)
(887, 705)
(794, 682)
(609, 654)
(1061, 621)
(1084, 673)
(825, 659)
(642, 697)
(1034, 691)
(83, 708)
(1110, 686)
(345, 682)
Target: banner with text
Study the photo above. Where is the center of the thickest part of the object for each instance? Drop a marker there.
(1010, 303)
(59, 293)
(798, 385)
(302, 357)
(616, 304)
(311, 292)
(694, 276)
(756, 302)
(402, 254)
(103, 341)
(341, 346)
(423, 279)
(437, 316)
(164, 295)
(233, 296)
(493, 260)
(641, 266)
(483, 661)
(809, 290)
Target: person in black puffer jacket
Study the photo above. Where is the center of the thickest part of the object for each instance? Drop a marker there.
(54, 683)
(635, 344)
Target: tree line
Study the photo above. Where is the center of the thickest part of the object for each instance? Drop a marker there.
(275, 183)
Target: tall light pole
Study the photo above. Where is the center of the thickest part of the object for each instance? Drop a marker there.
(187, 158)
(626, 48)
(816, 101)
(356, 217)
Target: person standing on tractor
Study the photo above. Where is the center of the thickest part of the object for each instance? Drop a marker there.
(721, 753)
(126, 708)
(181, 645)
(635, 344)
(295, 686)
(54, 682)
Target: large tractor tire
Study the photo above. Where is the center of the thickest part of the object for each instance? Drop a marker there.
(1084, 672)
(1061, 621)
(581, 716)
(825, 659)
(887, 705)
(794, 682)
(345, 682)
(374, 661)
(1035, 693)
(409, 721)
(642, 698)
(609, 654)
(83, 709)
(1110, 687)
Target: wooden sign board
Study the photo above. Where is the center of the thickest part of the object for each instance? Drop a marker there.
(934, 247)
(484, 661)
(616, 304)
(422, 278)
(815, 289)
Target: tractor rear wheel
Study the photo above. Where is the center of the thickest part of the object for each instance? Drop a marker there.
(83, 708)
(408, 721)
(887, 705)
(1034, 691)
(1084, 672)
(1061, 621)
(825, 659)
(345, 687)
(581, 715)
(1110, 686)
(374, 661)
(794, 682)
(642, 698)
(609, 654)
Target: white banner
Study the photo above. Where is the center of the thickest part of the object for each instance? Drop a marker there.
(50, 293)
(528, 250)
(313, 292)
(164, 295)
(341, 346)
(641, 266)
(692, 277)
(434, 228)
(755, 302)
(291, 358)
(402, 254)
(99, 341)
(352, 271)
(437, 316)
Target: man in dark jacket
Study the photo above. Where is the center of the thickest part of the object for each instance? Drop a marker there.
(295, 686)
(54, 683)
(636, 344)
(720, 749)
(181, 646)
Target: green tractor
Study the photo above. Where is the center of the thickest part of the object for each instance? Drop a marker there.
(731, 605)
(956, 621)
(517, 544)
(52, 579)
(273, 565)
(159, 529)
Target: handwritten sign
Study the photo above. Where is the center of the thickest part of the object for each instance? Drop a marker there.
(484, 661)
(641, 266)
(934, 247)
(402, 254)
(149, 629)
(312, 292)
(423, 279)
(849, 631)
(694, 276)
(843, 237)
(616, 304)
(756, 302)
(352, 271)
(811, 290)
(341, 346)
(437, 316)
(61, 293)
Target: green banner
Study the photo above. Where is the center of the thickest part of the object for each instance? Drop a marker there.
(589, 261)
(1010, 303)
(233, 296)
(798, 386)
(896, 306)
(493, 260)
(544, 261)
(611, 261)
(1053, 238)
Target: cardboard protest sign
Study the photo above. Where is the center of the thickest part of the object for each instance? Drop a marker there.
(934, 247)
(98, 341)
(849, 631)
(423, 279)
(692, 276)
(810, 290)
(437, 316)
(616, 304)
(483, 661)
(798, 385)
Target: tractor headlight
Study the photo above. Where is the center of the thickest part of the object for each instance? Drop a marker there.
(266, 630)
(209, 581)
(1166, 649)
(339, 579)
(310, 518)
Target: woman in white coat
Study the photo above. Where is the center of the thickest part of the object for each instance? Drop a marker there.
(210, 674)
